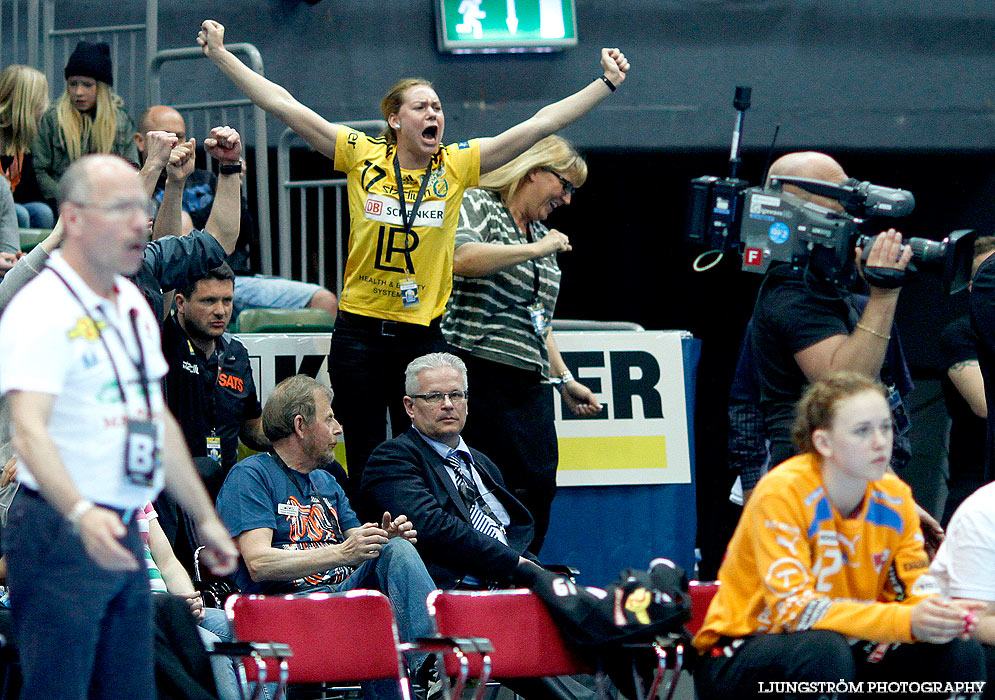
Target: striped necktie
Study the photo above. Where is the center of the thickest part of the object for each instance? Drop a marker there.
(481, 516)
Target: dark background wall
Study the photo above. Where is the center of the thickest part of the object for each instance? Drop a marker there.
(869, 74)
(900, 93)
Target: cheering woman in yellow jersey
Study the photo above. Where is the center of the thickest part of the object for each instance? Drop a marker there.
(405, 190)
(826, 579)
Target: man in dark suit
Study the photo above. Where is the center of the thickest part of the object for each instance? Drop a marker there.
(471, 531)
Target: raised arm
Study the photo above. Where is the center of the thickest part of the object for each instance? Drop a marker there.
(168, 220)
(266, 94)
(498, 150)
(225, 145)
(479, 259)
(158, 147)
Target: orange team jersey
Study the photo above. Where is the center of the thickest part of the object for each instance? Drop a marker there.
(794, 563)
(381, 256)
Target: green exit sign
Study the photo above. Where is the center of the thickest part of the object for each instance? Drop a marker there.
(480, 26)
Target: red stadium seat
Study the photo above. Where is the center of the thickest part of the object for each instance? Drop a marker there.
(334, 637)
(526, 641)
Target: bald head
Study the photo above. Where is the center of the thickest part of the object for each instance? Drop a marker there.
(814, 166)
(810, 164)
(104, 211)
(79, 182)
(160, 118)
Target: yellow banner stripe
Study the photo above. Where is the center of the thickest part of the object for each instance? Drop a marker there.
(586, 453)
(624, 452)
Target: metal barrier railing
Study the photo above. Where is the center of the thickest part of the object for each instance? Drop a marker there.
(20, 32)
(131, 47)
(201, 116)
(285, 190)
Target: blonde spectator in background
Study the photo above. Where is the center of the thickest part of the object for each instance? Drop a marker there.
(88, 118)
(23, 101)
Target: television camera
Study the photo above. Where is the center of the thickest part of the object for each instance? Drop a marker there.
(773, 224)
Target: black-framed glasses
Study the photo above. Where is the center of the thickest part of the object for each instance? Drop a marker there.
(568, 187)
(435, 398)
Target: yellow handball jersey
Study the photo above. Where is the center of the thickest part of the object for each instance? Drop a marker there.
(381, 257)
(794, 563)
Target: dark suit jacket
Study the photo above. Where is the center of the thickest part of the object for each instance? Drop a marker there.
(405, 475)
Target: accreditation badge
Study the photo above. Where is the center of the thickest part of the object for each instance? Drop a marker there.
(409, 294)
(141, 451)
(214, 447)
(538, 316)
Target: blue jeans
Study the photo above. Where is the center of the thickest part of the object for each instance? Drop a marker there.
(400, 574)
(265, 292)
(82, 631)
(34, 215)
(215, 628)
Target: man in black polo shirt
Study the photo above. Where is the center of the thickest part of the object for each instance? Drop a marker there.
(209, 385)
(210, 390)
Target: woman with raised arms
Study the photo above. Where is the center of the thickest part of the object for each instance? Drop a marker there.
(405, 190)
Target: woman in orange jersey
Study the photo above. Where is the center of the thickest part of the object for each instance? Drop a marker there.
(825, 584)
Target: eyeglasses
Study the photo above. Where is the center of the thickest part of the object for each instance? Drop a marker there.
(468, 491)
(435, 398)
(122, 211)
(568, 187)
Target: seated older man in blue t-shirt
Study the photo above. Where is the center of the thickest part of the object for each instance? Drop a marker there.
(295, 530)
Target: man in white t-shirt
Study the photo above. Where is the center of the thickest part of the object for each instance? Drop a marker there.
(964, 566)
(82, 366)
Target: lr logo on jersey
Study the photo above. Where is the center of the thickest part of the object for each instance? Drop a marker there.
(392, 245)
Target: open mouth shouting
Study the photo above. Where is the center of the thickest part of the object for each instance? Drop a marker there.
(430, 135)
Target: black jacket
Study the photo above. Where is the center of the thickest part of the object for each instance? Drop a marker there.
(406, 476)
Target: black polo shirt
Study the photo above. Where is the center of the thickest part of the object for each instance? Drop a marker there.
(209, 395)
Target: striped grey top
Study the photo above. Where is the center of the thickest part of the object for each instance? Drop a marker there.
(488, 316)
